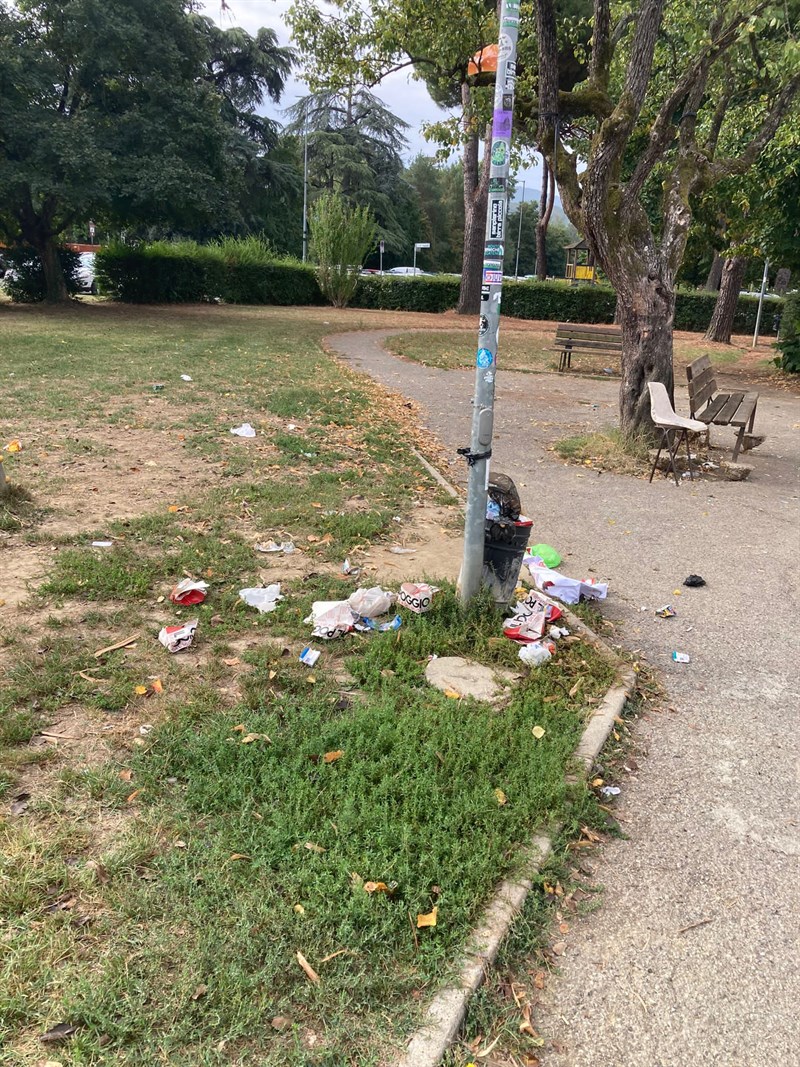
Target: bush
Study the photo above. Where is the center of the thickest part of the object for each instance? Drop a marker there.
(341, 237)
(27, 287)
(396, 293)
(789, 341)
(238, 271)
(561, 303)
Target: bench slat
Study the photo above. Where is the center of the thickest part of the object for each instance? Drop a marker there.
(713, 409)
(609, 335)
(601, 346)
(746, 409)
(700, 394)
(697, 366)
(705, 377)
(729, 409)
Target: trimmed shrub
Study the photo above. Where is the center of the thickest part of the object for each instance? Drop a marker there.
(27, 286)
(789, 341)
(396, 293)
(561, 303)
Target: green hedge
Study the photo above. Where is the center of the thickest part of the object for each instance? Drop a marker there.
(247, 271)
(789, 340)
(25, 280)
(393, 293)
(175, 272)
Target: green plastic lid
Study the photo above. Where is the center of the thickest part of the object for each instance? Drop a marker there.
(547, 553)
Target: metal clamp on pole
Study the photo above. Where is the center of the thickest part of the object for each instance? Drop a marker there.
(473, 457)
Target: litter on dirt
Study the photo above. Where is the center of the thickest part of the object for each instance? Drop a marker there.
(398, 551)
(245, 430)
(287, 547)
(569, 590)
(189, 592)
(102, 544)
(186, 378)
(417, 596)
(263, 599)
(681, 657)
(179, 637)
(667, 612)
(309, 656)
(694, 581)
(113, 648)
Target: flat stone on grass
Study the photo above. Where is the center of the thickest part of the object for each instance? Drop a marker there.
(468, 679)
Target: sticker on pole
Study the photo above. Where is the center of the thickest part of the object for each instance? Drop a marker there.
(497, 185)
(505, 46)
(483, 326)
(494, 250)
(486, 293)
(499, 153)
(497, 219)
(501, 124)
(511, 77)
(492, 276)
(485, 358)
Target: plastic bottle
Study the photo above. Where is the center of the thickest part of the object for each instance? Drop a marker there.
(536, 653)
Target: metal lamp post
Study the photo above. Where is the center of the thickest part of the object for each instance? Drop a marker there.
(420, 244)
(480, 450)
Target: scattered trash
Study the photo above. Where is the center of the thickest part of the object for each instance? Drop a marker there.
(102, 544)
(667, 612)
(186, 378)
(309, 656)
(503, 493)
(287, 547)
(694, 581)
(611, 790)
(681, 657)
(427, 920)
(608, 370)
(383, 627)
(547, 554)
(145, 729)
(370, 603)
(264, 599)
(19, 805)
(530, 618)
(348, 568)
(245, 430)
(158, 387)
(398, 551)
(58, 1033)
(492, 509)
(417, 596)
(177, 638)
(14, 446)
(558, 631)
(570, 590)
(535, 654)
(189, 592)
(331, 619)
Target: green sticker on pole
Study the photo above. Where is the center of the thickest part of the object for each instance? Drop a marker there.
(499, 153)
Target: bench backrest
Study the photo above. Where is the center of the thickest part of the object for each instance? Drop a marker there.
(702, 383)
(607, 338)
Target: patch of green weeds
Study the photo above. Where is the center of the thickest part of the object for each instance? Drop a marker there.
(607, 449)
(17, 508)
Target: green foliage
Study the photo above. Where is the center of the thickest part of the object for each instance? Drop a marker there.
(341, 236)
(28, 285)
(237, 271)
(407, 294)
(789, 341)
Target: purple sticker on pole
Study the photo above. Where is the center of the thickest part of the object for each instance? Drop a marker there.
(501, 124)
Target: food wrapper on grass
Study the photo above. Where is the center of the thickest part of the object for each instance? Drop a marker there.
(189, 592)
(177, 638)
(370, 603)
(417, 596)
(331, 618)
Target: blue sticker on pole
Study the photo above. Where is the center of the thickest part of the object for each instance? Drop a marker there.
(485, 357)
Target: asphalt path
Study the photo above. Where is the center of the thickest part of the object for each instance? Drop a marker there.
(692, 957)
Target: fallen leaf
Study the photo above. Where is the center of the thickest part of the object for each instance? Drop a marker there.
(300, 911)
(597, 782)
(181, 844)
(56, 1034)
(559, 947)
(172, 509)
(238, 856)
(199, 992)
(538, 732)
(125, 776)
(376, 887)
(424, 921)
(333, 955)
(576, 687)
(239, 729)
(332, 757)
(526, 1026)
(52, 1063)
(501, 797)
(314, 848)
(157, 685)
(452, 693)
(140, 690)
(312, 538)
(539, 979)
(563, 928)
(13, 446)
(280, 1022)
(311, 974)
(272, 674)
(133, 796)
(232, 662)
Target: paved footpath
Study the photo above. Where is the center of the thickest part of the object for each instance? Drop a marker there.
(712, 812)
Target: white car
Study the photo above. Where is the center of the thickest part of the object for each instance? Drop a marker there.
(414, 271)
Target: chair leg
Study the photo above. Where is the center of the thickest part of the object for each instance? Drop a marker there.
(688, 455)
(673, 451)
(658, 454)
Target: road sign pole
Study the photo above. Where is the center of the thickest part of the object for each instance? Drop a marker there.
(479, 453)
(761, 302)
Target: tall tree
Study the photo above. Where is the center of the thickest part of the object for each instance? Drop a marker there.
(135, 110)
(650, 115)
(438, 190)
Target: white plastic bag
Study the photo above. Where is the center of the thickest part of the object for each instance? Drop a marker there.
(535, 654)
(265, 599)
(331, 618)
(568, 590)
(245, 430)
(370, 603)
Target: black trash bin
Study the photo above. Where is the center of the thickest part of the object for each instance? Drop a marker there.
(505, 541)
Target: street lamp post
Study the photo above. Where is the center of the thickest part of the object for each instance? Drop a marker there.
(420, 244)
(305, 189)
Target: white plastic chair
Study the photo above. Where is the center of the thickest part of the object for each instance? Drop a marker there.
(663, 415)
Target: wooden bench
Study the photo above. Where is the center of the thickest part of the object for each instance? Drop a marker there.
(591, 340)
(721, 409)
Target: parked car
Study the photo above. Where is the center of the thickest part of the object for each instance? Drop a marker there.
(409, 271)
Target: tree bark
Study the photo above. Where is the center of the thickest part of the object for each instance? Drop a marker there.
(546, 203)
(721, 326)
(38, 231)
(647, 310)
(54, 282)
(715, 273)
(476, 202)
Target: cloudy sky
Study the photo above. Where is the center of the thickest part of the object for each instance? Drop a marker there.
(400, 92)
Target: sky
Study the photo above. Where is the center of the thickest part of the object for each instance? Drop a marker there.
(403, 95)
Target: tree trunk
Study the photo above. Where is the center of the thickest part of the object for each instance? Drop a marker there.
(546, 202)
(54, 283)
(646, 309)
(782, 279)
(715, 273)
(721, 326)
(476, 202)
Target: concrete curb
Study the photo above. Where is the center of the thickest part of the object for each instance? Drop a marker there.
(446, 1012)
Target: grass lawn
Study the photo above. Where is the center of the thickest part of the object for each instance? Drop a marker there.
(532, 349)
(173, 834)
